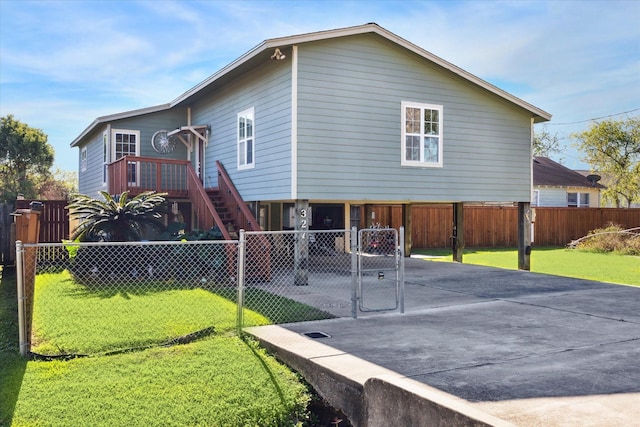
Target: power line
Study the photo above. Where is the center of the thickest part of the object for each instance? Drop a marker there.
(594, 119)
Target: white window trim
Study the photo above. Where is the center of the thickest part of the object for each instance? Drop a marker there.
(128, 131)
(579, 204)
(83, 159)
(105, 159)
(250, 112)
(422, 164)
(137, 153)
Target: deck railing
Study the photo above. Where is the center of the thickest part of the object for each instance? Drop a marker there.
(140, 174)
(201, 205)
(177, 178)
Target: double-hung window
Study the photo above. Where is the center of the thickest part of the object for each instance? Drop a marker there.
(105, 158)
(127, 143)
(246, 139)
(83, 159)
(421, 134)
(578, 200)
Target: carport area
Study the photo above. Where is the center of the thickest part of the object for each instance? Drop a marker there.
(479, 346)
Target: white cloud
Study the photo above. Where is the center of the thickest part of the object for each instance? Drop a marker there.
(63, 63)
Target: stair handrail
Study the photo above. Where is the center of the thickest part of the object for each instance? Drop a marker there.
(259, 246)
(251, 219)
(197, 195)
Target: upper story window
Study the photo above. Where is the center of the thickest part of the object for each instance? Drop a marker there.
(127, 143)
(83, 159)
(421, 134)
(105, 158)
(246, 139)
(578, 200)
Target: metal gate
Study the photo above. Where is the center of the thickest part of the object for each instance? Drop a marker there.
(335, 273)
(380, 283)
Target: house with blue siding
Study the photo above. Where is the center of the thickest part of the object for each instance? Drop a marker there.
(330, 123)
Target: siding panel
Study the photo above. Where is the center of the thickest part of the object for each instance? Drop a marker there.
(268, 91)
(91, 182)
(349, 140)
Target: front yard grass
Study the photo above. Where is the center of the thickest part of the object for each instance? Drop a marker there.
(75, 319)
(219, 380)
(601, 267)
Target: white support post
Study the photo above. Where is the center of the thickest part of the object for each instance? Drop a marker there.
(401, 253)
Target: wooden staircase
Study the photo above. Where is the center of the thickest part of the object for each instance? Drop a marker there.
(224, 212)
(234, 215)
(221, 206)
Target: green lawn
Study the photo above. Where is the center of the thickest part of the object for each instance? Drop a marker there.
(602, 267)
(219, 380)
(73, 319)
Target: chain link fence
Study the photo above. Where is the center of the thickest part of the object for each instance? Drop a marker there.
(330, 273)
(111, 297)
(101, 298)
(313, 271)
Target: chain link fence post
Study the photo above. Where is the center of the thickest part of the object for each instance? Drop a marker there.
(401, 268)
(241, 269)
(354, 272)
(22, 332)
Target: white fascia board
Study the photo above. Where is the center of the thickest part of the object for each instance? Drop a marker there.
(221, 72)
(118, 116)
(266, 45)
(539, 115)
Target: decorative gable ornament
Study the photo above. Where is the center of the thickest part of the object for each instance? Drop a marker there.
(162, 142)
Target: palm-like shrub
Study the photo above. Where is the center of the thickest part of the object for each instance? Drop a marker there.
(117, 218)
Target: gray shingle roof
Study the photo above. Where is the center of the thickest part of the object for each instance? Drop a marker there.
(546, 172)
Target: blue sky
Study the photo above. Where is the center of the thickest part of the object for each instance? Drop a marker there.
(64, 63)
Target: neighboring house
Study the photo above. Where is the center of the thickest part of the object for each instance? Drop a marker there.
(558, 186)
(325, 125)
(607, 181)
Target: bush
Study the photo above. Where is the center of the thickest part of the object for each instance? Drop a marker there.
(136, 263)
(612, 238)
(103, 264)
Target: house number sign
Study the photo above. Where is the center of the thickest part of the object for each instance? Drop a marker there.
(304, 225)
(301, 250)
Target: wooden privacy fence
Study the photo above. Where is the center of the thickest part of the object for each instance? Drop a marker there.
(54, 219)
(497, 226)
(54, 225)
(431, 225)
(6, 236)
(559, 226)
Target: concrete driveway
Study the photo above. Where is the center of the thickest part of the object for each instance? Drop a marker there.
(527, 348)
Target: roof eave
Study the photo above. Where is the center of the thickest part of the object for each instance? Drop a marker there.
(118, 116)
(538, 114)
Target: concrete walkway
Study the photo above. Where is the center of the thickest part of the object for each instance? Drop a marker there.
(523, 348)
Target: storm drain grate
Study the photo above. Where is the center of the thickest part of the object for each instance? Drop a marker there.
(317, 334)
